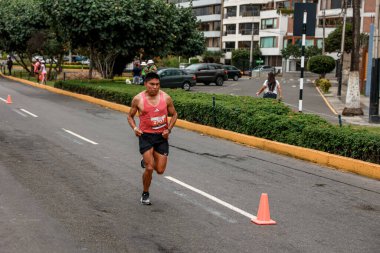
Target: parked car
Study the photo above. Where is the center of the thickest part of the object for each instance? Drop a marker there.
(232, 72)
(262, 70)
(176, 78)
(208, 73)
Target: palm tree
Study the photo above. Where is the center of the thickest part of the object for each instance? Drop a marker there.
(352, 106)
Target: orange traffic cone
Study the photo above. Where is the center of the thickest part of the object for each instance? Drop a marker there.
(263, 214)
(9, 99)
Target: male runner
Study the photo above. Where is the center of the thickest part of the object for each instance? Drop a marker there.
(153, 106)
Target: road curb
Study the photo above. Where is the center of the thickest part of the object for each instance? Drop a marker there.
(326, 101)
(359, 167)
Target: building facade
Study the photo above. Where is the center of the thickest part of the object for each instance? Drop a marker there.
(268, 25)
(209, 13)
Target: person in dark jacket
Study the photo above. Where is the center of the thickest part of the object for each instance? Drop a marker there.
(9, 64)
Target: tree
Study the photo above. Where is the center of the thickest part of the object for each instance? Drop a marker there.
(321, 64)
(333, 41)
(291, 51)
(240, 57)
(352, 107)
(212, 56)
(19, 21)
(312, 51)
(294, 51)
(110, 28)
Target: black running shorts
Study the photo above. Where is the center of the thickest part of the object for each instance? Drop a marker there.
(157, 141)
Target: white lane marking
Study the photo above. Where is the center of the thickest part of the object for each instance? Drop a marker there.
(3, 100)
(31, 114)
(79, 136)
(219, 201)
(17, 111)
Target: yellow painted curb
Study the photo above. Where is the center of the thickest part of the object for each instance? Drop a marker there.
(323, 158)
(327, 102)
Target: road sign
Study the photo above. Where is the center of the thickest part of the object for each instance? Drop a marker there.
(259, 61)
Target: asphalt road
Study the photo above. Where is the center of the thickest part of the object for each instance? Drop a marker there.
(312, 101)
(60, 192)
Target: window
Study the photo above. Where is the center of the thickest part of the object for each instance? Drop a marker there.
(216, 42)
(230, 29)
(210, 26)
(244, 45)
(217, 9)
(268, 42)
(270, 23)
(229, 46)
(335, 4)
(230, 11)
(284, 4)
(208, 10)
(333, 22)
(249, 10)
(216, 25)
(246, 28)
(274, 60)
(308, 43)
(213, 42)
(319, 43)
(205, 27)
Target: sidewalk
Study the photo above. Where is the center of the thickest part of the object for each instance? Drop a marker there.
(338, 103)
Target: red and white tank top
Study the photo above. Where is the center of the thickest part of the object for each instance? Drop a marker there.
(154, 118)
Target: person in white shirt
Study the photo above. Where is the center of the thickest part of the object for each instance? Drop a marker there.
(271, 88)
(43, 72)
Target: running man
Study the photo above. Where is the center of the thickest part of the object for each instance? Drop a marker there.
(154, 106)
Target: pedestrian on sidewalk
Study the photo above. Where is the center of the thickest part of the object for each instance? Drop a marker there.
(43, 72)
(271, 88)
(151, 67)
(154, 106)
(143, 71)
(136, 74)
(36, 68)
(9, 64)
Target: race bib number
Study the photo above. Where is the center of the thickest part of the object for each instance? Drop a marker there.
(158, 122)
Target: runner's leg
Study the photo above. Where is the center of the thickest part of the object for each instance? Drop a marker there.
(160, 162)
(149, 167)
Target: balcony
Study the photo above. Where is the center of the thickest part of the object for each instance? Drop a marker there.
(254, 13)
(229, 32)
(249, 32)
(211, 34)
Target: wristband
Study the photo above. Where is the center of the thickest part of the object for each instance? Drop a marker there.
(135, 129)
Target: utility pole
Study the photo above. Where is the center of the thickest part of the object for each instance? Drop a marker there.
(374, 90)
(324, 25)
(251, 52)
(342, 49)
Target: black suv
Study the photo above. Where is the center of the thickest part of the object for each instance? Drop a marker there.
(208, 73)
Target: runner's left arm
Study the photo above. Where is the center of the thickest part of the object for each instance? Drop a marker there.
(173, 113)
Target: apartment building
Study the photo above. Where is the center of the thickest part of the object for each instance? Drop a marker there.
(268, 24)
(209, 12)
(256, 22)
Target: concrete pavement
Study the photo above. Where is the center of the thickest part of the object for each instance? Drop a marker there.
(338, 104)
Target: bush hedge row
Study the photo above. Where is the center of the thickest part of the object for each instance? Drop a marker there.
(263, 118)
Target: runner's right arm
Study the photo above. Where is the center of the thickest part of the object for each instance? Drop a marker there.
(131, 116)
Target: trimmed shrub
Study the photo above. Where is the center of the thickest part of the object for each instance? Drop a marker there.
(321, 64)
(263, 118)
(324, 84)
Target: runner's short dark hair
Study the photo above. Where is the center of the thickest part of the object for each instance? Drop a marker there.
(151, 75)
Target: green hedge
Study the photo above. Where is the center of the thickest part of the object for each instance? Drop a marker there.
(265, 118)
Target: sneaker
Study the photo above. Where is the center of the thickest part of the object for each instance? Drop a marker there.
(145, 198)
(142, 164)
